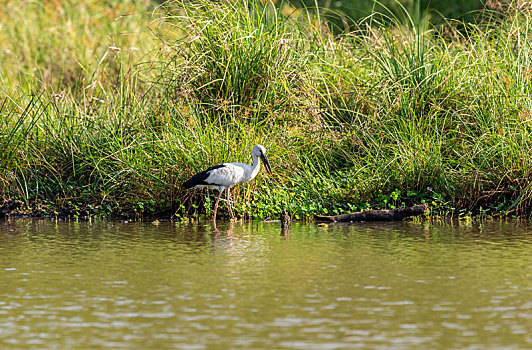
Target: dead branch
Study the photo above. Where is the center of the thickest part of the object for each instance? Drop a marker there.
(377, 215)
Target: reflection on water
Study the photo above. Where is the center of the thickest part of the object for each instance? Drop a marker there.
(139, 285)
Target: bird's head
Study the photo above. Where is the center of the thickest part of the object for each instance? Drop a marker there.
(260, 152)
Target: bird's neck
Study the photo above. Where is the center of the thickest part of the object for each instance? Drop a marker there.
(256, 167)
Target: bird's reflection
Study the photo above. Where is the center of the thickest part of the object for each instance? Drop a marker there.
(229, 231)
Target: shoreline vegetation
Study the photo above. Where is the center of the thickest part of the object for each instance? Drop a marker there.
(107, 107)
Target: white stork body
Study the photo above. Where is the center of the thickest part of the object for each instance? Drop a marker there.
(226, 175)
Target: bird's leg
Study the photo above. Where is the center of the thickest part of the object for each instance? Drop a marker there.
(229, 204)
(216, 207)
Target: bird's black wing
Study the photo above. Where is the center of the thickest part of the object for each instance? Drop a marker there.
(199, 178)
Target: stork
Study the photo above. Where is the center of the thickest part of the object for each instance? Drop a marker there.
(226, 175)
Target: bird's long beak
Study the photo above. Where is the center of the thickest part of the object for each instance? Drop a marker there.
(266, 164)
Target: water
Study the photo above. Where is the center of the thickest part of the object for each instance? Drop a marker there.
(175, 286)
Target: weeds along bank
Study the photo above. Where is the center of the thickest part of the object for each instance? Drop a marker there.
(107, 109)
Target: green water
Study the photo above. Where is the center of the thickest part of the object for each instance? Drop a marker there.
(173, 286)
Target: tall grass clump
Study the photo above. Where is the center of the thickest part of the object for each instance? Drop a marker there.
(71, 76)
(240, 59)
(436, 112)
(497, 115)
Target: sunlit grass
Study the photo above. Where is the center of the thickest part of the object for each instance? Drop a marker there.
(68, 46)
(108, 109)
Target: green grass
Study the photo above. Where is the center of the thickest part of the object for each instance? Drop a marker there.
(106, 109)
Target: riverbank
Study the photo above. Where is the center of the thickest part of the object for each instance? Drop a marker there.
(107, 110)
